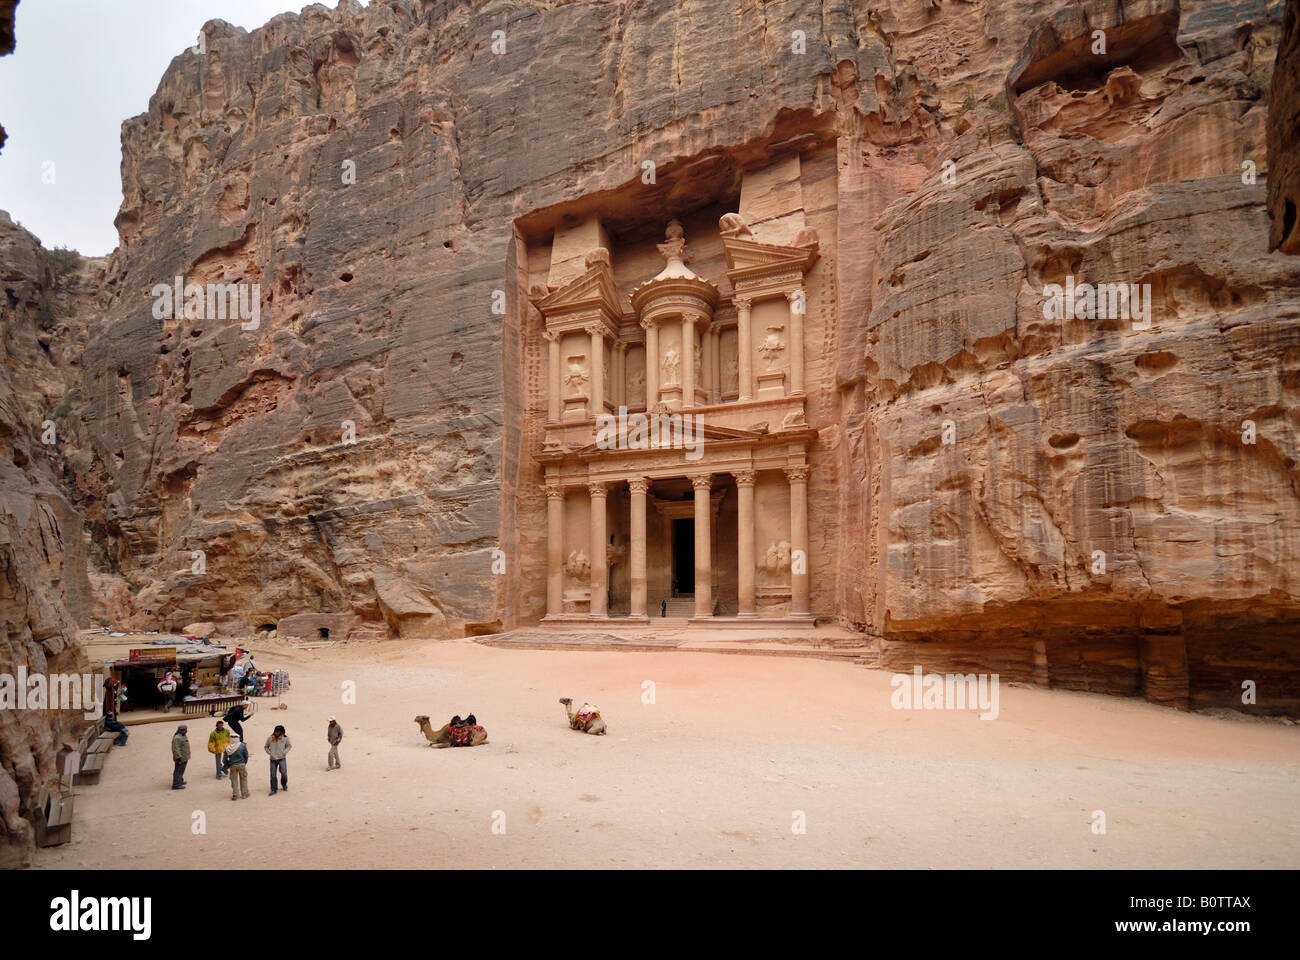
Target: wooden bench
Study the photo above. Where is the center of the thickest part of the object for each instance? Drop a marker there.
(53, 818)
(92, 765)
(95, 743)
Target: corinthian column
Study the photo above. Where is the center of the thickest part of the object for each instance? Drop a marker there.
(554, 549)
(599, 563)
(597, 392)
(745, 541)
(703, 542)
(638, 486)
(553, 382)
(799, 582)
(798, 304)
(744, 348)
(651, 364)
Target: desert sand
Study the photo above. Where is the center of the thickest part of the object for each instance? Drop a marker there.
(711, 774)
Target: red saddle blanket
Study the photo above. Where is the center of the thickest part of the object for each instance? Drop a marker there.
(462, 736)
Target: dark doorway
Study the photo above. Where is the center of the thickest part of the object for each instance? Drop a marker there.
(684, 558)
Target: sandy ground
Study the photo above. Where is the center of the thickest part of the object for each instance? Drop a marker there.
(709, 775)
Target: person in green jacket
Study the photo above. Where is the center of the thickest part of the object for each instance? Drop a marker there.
(180, 756)
(217, 741)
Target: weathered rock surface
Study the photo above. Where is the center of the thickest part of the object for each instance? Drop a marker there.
(1284, 137)
(43, 563)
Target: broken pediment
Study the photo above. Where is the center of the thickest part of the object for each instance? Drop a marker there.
(594, 290)
(748, 259)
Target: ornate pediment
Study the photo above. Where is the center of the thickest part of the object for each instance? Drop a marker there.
(747, 259)
(593, 291)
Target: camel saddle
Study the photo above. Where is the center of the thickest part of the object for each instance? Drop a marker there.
(585, 717)
(461, 734)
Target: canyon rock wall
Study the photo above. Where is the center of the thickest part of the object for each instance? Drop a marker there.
(1284, 137)
(368, 168)
(1114, 499)
(44, 588)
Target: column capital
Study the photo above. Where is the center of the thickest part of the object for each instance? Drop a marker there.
(702, 481)
(638, 484)
(743, 303)
(792, 295)
(551, 336)
(596, 329)
(798, 474)
(744, 478)
(648, 323)
(554, 490)
(597, 488)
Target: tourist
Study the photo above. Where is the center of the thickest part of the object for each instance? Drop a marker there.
(235, 717)
(236, 764)
(180, 756)
(112, 691)
(167, 687)
(218, 740)
(115, 726)
(278, 747)
(334, 733)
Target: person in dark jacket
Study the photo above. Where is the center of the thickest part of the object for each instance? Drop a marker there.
(236, 764)
(235, 716)
(334, 733)
(180, 757)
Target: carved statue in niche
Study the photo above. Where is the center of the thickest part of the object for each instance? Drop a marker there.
(733, 225)
(730, 375)
(672, 367)
(776, 561)
(575, 381)
(772, 345)
(699, 362)
(578, 565)
(636, 388)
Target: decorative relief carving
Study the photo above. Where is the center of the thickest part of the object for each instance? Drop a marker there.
(672, 368)
(773, 345)
(776, 559)
(636, 388)
(638, 484)
(744, 478)
(575, 381)
(730, 376)
(554, 491)
(597, 489)
(702, 481)
(797, 474)
(742, 303)
(794, 418)
(596, 255)
(578, 565)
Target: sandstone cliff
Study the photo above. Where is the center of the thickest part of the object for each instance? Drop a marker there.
(43, 563)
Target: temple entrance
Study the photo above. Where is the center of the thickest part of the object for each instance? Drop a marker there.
(683, 557)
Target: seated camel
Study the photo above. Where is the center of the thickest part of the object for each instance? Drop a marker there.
(455, 733)
(587, 719)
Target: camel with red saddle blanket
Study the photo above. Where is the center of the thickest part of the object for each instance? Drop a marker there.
(455, 733)
(586, 718)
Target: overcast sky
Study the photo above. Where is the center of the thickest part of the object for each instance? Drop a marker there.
(79, 69)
